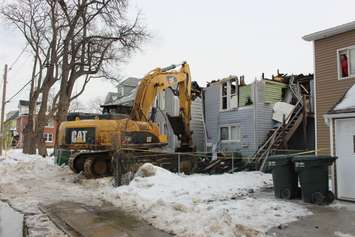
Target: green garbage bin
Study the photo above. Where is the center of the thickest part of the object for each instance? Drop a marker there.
(284, 176)
(314, 178)
(62, 156)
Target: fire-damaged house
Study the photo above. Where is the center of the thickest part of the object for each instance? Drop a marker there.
(256, 120)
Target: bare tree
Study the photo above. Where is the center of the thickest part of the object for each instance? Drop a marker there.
(98, 34)
(94, 105)
(34, 19)
(70, 39)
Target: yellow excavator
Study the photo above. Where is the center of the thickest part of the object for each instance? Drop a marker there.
(94, 140)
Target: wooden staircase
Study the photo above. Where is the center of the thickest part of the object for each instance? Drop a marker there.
(279, 137)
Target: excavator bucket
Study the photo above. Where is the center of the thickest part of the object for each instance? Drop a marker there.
(177, 124)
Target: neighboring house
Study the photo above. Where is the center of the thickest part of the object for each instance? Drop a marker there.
(11, 135)
(166, 102)
(124, 89)
(334, 62)
(241, 118)
(49, 134)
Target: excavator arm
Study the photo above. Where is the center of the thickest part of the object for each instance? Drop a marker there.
(159, 80)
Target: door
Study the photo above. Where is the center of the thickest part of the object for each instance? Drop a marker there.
(345, 151)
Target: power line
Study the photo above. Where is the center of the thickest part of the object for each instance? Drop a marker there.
(18, 57)
(19, 91)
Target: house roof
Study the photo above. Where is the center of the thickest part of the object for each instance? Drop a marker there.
(111, 97)
(346, 104)
(12, 115)
(130, 81)
(330, 32)
(24, 102)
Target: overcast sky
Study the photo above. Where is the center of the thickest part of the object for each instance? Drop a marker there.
(217, 39)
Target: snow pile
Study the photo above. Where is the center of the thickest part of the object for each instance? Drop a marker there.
(348, 102)
(196, 205)
(340, 234)
(203, 205)
(27, 180)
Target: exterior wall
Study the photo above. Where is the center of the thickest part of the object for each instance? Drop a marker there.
(22, 121)
(212, 105)
(329, 90)
(254, 127)
(9, 127)
(197, 125)
(171, 107)
(273, 91)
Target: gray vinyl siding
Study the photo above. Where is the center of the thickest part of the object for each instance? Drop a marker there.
(254, 127)
(264, 122)
(245, 118)
(212, 105)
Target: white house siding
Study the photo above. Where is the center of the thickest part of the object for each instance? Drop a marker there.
(198, 125)
(197, 122)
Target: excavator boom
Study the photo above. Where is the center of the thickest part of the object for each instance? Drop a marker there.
(159, 80)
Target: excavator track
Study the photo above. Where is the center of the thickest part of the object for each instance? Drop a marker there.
(76, 163)
(96, 167)
(92, 164)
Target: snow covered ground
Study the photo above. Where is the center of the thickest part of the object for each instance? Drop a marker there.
(196, 205)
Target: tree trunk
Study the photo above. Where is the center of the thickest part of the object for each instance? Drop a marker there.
(42, 121)
(29, 144)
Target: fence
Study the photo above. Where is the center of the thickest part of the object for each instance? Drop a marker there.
(126, 162)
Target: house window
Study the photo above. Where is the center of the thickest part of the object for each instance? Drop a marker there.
(48, 137)
(224, 133)
(121, 91)
(224, 96)
(346, 63)
(230, 133)
(229, 94)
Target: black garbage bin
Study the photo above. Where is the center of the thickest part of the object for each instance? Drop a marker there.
(284, 176)
(314, 178)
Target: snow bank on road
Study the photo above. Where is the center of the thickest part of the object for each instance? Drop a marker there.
(204, 205)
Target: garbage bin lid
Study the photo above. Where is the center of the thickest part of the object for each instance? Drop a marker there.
(279, 157)
(314, 158)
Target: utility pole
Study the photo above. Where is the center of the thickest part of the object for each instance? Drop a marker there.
(3, 103)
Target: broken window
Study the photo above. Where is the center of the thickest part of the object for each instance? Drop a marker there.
(224, 95)
(234, 93)
(346, 63)
(229, 94)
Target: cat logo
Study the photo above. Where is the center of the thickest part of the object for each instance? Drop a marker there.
(78, 136)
